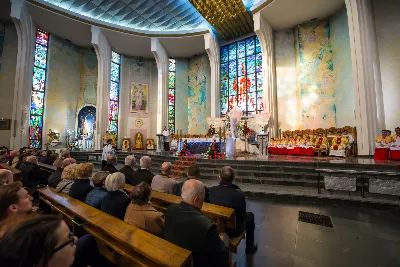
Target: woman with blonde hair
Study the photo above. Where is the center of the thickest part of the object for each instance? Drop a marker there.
(116, 200)
(82, 187)
(68, 177)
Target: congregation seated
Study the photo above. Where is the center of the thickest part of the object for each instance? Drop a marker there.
(63, 155)
(68, 177)
(95, 197)
(55, 177)
(81, 187)
(39, 241)
(143, 174)
(110, 165)
(395, 145)
(31, 173)
(13, 158)
(321, 142)
(6, 177)
(162, 182)
(339, 145)
(127, 170)
(229, 195)
(141, 213)
(116, 200)
(14, 200)
(193, 173)
(186, 226)
(47, 158)
(21, 160)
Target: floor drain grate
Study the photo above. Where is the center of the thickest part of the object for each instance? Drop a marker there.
(317, 219)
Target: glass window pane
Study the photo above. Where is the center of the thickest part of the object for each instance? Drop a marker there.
(224, 87)
(35, 143)
(114, 72)
(171, 82)
(116, 57)
(171, 97)
(232, 51)
(232, 87)
(232, 69)
(37, 103)
(224, 71)
(251, 82)
(241, 49)
(258, 62)
(224, 54)
(242, 102)
(259, 80)
(242, 85)
(258, 45)
(250, 64)
(42, 38)
(241, 67)
(250, 46)
(35, 127)
(39, 78)
(172, 66)
(40, 56)
(113, 111)
(114, 91)
(232, 102)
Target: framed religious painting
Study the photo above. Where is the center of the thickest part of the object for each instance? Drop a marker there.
(5, 124)
(139, 98)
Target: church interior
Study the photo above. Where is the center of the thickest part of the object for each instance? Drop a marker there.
(295, 96)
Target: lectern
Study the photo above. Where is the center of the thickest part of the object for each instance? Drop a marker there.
(160, 143)
(263, 140)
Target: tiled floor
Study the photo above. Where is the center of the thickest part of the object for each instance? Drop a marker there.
(360, 237)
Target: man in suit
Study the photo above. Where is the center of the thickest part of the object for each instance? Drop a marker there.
(162, 182)
(186, 226)
(110, 166)
(229, 195)
(127, 170)
(143, 174)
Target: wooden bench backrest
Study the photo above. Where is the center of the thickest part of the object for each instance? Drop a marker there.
(223, 216)
(141, 247)
(16, 173)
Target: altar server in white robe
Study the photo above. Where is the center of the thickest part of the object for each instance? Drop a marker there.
(107, 151)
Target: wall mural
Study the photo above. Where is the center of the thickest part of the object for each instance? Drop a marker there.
(89, 73)
(139, 97)
(314, 66)
(197, 94)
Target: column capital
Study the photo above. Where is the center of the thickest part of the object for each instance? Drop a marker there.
(162, 61)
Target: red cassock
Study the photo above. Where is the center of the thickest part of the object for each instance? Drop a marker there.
(308, 151)
(395, 154)
(290, 151)
(282, 151)
(298, 151)
(272, 150)
(381, 153)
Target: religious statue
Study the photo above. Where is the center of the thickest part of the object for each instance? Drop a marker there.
(53, 136)
(138, 141)
(150, 144)
(126, 143)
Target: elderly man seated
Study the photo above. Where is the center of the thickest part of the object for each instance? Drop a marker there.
(187, 227)
(143, 174)
(110, 165)
(162, 182)
(6, 177)
(31, 174)
(127, 170)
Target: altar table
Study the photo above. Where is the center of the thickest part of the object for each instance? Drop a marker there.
(199, 145)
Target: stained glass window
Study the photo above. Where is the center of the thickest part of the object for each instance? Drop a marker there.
(241, 77)
(171, 95)
(114, 94)
(38, 90)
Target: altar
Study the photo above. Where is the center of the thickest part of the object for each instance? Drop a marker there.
(199, 145)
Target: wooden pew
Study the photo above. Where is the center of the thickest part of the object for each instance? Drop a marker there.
(132, 246)
(223, 216)
(16, 173)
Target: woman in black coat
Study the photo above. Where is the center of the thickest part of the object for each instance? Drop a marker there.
(116, 201)
(81, 187)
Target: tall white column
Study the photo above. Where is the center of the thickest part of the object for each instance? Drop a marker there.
(103, 52)
(366, 74)
(265, 35)
(26, 31)
(213, 52)
(162, 61)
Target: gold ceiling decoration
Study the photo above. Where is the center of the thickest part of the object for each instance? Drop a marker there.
(229, 17)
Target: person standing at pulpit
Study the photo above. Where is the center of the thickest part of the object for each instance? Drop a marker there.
(165, 133)
(339, 145)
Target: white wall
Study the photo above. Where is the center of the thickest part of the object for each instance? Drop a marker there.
(387, 24)
(7, 78)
